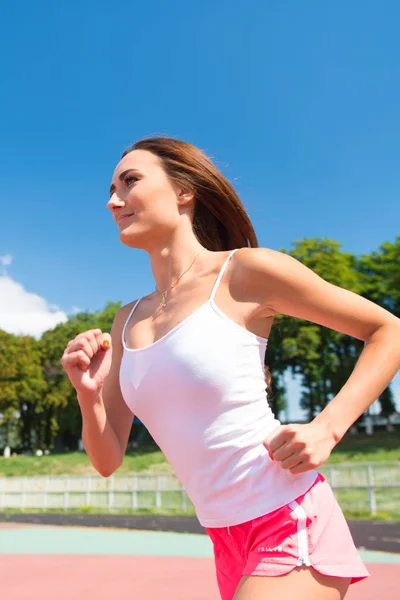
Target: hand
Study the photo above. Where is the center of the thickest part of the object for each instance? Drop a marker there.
(300, 448)
(87, 360)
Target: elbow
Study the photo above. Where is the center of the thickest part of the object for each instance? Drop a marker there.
(107, 470)
(388, 332)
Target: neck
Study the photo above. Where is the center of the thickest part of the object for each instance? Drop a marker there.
(171, 259)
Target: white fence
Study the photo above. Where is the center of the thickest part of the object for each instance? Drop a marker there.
(372, 487)
(117, 492)
(359, 487)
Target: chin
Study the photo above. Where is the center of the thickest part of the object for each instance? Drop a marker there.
(132, 240)
(131, 243)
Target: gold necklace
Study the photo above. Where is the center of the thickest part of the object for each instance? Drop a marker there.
(165, 294)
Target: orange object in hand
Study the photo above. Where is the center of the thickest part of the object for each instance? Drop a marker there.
(105, 344)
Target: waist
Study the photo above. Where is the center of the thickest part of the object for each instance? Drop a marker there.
(229, 497)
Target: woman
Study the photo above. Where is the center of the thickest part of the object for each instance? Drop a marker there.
(188, 359)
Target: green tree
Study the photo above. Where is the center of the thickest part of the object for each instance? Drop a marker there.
(62, 414)
(381, 276)
(380, 272)
(315, 352)
(8, 378)
(22, 388)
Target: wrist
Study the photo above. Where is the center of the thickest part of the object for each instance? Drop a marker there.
(90, 399)
(332, 430)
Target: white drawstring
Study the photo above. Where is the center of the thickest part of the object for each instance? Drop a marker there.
(303, 558)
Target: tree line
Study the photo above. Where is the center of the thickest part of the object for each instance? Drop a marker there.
(38, 405)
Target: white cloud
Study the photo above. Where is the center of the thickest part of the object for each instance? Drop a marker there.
(24, 313)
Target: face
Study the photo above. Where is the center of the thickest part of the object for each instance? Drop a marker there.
(146, 205)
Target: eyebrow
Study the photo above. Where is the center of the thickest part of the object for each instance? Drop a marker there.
(121, 177)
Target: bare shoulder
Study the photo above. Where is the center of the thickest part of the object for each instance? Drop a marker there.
(259, 259)
(120, 319)
(257, 274)
(260, 265)
(286, 286)
(124, 311)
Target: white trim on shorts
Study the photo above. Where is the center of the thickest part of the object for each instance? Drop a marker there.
(302, 539)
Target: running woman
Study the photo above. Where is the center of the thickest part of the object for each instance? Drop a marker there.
(188, 361)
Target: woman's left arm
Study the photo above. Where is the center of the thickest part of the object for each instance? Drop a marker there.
(292, 289)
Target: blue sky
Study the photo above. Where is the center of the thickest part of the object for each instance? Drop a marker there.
(296, 102)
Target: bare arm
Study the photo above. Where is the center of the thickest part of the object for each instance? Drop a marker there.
(107, 420)
(290, 288)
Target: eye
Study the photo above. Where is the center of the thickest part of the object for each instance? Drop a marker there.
(130, 179)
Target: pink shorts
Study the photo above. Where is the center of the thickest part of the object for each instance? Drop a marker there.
(311, 530)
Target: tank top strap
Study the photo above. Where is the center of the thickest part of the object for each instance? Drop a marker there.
(222, 271)
(128, 319)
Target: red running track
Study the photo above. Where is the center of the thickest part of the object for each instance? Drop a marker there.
(82, 577)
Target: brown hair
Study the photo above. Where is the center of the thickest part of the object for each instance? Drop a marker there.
(220, 221)
(268, 380)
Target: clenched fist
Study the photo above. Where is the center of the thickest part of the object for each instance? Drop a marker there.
(300, 448)
(87, 360)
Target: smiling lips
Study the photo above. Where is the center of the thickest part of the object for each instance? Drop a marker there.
(122, 217)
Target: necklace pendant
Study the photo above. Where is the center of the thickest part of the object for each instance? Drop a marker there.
(164, 294)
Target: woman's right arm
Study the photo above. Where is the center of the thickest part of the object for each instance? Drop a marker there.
(94, 372)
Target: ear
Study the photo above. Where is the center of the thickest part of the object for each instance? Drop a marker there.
(185, 197)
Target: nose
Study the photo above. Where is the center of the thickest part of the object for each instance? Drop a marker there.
(115, 202)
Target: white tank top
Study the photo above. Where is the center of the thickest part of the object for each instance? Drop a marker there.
(200, 391)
